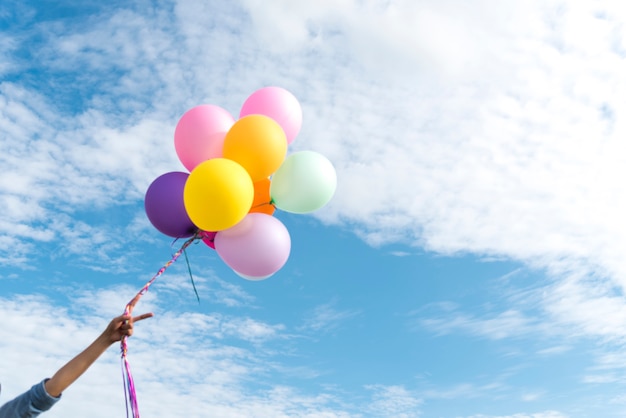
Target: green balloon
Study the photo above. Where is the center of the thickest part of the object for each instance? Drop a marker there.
(305, 182)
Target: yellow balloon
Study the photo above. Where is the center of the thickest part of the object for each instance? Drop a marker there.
(218, 194)
(258, 143)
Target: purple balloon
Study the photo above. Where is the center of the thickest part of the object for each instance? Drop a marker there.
(258, 246)
(165, 206)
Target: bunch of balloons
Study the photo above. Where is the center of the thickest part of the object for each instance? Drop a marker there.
(239, 172)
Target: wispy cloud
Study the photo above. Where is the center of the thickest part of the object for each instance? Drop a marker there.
(327, 318)
(545, 414)
(608, 367)
(394, 401)
(573, 306)
(507, 324)
(191, 360)
(181, 357)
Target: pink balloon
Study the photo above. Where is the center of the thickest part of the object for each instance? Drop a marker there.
(252, 278)
(258, 246)
(200, 133)
(280, 105)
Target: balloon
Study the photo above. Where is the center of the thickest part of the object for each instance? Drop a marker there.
(218, 194)
(208, 238)
(252, 278)
(165, 207)
(200, 133)
(258, 143)
(305, 182)
(262, 202)
(257, 246)
(280, 105)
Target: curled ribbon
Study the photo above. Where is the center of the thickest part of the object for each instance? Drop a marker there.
(129, 384)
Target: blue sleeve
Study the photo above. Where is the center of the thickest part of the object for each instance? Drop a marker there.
(29, 404)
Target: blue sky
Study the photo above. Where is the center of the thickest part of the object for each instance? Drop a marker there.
(470, 264)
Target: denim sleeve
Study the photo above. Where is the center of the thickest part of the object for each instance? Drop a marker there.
(29, 404)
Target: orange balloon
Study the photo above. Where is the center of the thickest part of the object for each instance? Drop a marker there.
(262, 202)
(258, 143)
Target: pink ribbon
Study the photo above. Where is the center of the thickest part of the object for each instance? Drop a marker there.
(130, 392)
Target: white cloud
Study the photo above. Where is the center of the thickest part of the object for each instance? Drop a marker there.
(532, 396)
(520, 159)
(608, 367)
(573, 308)
(326, 318)
(545, 414)
(465, 391)
(180, 362)
(588, 306)
(507, 324)
(554, 350)
(394, 401)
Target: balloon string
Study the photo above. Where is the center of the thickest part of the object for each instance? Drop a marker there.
(130, 392)
(271, 202)
(191, 276)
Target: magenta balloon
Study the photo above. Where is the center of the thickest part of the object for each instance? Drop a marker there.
(165, 206)
(199, 134)
(280, 105)
(208, 238)
(258, 246)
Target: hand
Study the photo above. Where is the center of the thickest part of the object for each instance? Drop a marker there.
(122, 326)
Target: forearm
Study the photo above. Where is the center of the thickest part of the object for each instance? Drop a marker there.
(71, 371)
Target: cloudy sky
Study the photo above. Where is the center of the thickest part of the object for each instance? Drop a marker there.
(470, 264)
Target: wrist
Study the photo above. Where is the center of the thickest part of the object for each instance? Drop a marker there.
(104, 340)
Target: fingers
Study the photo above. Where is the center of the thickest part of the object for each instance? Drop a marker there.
(122, 326)
(132, 303)
(127, 325)
(126, 319)
(143, 316)
(120, 319)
